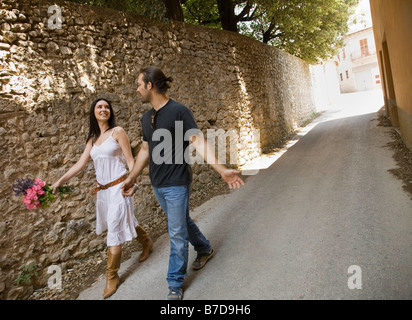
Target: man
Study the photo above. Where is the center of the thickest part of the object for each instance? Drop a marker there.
(170, 172)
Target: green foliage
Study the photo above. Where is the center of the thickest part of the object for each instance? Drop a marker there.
(64, 190)
(27, 273)
(152, 8)
(202, 12)
(47, 197)
(309, 29)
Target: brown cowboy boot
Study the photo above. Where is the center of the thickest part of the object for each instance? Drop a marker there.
(145, 240)
(112, 280)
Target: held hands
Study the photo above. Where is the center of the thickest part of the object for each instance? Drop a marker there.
(230, 176)
(232, 179)
(128, 188)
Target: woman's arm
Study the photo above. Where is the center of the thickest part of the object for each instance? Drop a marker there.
(79, 166)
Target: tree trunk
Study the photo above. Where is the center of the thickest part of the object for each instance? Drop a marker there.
(267, 35)
(174, 10)
(227, 15)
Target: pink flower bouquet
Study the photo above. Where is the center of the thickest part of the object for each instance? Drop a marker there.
(37, 194)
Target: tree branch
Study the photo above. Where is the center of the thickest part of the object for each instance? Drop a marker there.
(245, 12)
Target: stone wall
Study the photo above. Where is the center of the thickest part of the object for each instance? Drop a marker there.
(49, 77)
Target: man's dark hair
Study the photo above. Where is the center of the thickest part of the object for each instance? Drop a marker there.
(157, 78)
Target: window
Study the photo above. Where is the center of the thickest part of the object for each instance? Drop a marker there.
(364, 47)
(341, 77)
(377, 79)
(347, 74)
(343, 54)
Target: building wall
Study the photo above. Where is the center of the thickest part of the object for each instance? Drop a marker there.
(49, 77)
(358, 72)
(392, 21)
(325, 88)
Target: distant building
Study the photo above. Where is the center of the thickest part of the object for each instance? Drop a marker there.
(357, 62)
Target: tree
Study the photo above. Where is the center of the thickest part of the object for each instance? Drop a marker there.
(309, 29)
(229, 18)
(202, 12)
(220, 13)
(174, 9)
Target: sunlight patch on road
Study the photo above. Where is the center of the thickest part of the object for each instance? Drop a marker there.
(266, 160)
(346, 105)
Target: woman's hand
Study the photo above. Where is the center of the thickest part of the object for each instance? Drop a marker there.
(55, 186)
(127, 188)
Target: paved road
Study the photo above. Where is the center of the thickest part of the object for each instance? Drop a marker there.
(293, 231)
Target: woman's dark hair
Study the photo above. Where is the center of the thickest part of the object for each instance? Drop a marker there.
(157, 78)
(94, 129)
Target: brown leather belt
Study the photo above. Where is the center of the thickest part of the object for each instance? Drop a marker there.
(107, 186)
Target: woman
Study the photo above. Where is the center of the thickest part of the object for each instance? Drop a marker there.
(109, 147)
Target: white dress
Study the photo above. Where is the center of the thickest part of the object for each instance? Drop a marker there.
(114, 212)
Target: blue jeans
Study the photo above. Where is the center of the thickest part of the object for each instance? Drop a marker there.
(182, 230)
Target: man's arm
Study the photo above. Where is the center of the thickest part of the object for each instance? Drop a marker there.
(204, 149)
(142, 160)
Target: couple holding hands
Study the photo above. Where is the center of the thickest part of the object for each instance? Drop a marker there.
(109, 147)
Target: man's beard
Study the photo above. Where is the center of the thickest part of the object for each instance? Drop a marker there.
(145, 99)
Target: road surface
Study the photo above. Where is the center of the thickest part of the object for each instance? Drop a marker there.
(326, 220)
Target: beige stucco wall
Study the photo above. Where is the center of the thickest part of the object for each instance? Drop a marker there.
(392, 23)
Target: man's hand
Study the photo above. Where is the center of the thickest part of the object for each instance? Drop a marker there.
(232, 179)
(205, 150)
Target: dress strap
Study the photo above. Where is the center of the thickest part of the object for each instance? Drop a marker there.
(113, 131)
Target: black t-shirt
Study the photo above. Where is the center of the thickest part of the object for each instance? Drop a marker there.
(168, 142)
